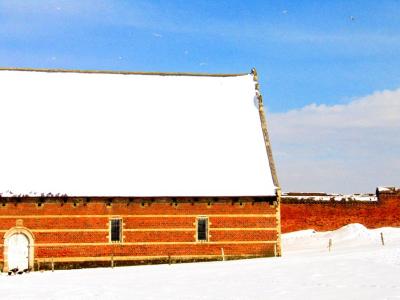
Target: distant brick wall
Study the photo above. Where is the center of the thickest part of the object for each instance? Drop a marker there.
(323, 216)
(153, 229)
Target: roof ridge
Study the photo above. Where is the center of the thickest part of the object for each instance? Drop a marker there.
(122, 72)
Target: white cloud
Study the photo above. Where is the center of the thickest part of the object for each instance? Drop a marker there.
(346, 148)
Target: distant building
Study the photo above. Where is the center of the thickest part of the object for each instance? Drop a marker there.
(115, 168)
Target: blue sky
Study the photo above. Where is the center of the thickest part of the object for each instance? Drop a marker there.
(306, 52)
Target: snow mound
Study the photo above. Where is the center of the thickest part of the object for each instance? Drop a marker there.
(348, 236)
(350, 231)
(299, 234)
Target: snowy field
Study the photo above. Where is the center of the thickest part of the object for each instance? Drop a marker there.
(357, 267)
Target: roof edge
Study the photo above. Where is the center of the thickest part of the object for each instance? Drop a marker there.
(264, 128)
(122, 72)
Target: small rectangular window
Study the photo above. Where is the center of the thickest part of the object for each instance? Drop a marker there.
(116, 230)
(202, 229)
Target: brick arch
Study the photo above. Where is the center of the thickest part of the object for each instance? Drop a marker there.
(31, 238)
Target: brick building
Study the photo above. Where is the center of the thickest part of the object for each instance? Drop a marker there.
(100, 168)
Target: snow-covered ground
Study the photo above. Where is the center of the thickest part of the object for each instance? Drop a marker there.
(357, 267)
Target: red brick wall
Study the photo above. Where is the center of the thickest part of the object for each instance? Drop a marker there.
(323, 216)
(151, 229)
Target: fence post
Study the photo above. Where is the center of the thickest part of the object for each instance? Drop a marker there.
(382, 240)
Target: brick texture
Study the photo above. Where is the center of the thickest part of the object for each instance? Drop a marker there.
(323, 216)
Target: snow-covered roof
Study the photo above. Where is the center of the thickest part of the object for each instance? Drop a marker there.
(331, 197)
(386, 188)
(129, 134)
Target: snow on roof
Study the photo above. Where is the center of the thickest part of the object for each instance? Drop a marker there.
(383, 188)
(104, 134)
(331, 197)
(386, 189)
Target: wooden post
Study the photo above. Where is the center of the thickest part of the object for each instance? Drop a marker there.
(223, 254)
(330, 245)
(382, 240)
